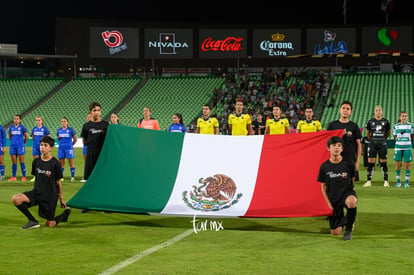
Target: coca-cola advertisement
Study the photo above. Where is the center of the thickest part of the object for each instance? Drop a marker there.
(223, 43)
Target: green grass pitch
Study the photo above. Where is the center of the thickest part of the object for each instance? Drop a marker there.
(94, 242)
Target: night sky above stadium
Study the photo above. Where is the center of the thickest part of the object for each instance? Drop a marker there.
(30, 23)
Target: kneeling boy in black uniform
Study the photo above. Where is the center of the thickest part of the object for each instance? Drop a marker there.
(337, 177)
(47, 189)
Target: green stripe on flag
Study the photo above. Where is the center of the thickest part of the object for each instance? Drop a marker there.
(115, 183)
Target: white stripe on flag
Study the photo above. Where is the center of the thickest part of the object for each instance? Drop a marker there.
(204, 156)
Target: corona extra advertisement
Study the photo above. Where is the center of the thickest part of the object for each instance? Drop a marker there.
(276, 42)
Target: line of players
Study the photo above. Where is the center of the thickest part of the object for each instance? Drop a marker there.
(239, 123)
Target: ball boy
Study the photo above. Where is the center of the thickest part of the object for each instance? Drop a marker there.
(47, 189)
(337, 176)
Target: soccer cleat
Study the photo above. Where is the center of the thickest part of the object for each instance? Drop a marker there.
(406, 185)
(23, 178)
(347, 236)
(12, 179)
(82, 180)
(386, 184)
(72, 179)
(398, 185)
(31, 224)
(367, 184)
(66, 214)
(1, 177)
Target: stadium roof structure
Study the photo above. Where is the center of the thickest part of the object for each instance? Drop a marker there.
(4, 57)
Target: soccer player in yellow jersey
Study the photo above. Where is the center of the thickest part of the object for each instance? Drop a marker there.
(309, 124)
(206, 124)
(240, 124)
(277, 125)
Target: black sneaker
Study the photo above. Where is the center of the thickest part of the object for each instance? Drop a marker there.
(31, 224)
(65, 214)
(347, 236)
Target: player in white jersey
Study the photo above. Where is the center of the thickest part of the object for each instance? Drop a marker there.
(403, 133)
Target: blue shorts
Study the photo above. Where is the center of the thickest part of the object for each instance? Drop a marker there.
(17, 150)
(36, 150)
(85, 149)
(66, 153)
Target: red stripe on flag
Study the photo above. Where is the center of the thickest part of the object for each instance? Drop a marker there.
(286, 183)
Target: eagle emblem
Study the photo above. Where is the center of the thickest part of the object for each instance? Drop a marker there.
(212, 194)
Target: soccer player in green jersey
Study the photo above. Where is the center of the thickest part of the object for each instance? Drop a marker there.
(403, 133)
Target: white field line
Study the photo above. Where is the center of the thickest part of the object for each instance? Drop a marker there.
(144, 253)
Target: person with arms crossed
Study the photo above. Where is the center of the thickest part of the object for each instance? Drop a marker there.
(308, 124)
(47, 189)
(67, 138)
(337, 178)
(148, 122)
(239, 124)
(3, 139)
(178, 124)
(378, 130)
(93, 135)
(403, 133)
(207, 124)
(277, 125)
(18, 138)
(351, 137)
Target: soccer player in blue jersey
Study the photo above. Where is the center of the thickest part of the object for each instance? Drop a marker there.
(18, 138)
(178, 124)
(37, 133)
(2, 150)
(67, 138)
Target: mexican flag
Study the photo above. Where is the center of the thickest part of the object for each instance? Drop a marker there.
(148, 171)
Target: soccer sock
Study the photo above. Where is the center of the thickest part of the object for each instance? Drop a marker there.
(14, 169)
(24, 208)
(350, 218)
(63, 170)
(407, 175)
(72, 172)
(370, 170)
(23, 167)
(2, 170)
(384, 169)
(397, 176)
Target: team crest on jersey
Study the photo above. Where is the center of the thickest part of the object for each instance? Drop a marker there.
(212, 194)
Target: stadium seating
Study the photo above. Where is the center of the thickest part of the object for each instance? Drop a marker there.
(168, 95)
(73, 99)
(18, 95)
(393, 91)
